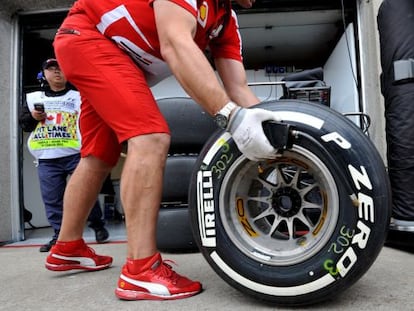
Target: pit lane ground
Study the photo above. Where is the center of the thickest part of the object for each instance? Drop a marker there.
(26, 285)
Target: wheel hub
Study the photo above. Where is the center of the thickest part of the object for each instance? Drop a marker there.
(286, 202)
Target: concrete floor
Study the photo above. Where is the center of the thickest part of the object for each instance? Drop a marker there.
(27, 285)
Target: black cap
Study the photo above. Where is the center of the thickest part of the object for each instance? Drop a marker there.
(49, 62)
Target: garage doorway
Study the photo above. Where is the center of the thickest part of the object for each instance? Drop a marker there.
(36, 36)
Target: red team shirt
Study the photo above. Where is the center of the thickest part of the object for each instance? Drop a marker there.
(117, 103)
(131, 24)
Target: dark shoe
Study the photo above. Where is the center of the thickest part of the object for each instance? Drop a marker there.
(101, 234)
(45, 248)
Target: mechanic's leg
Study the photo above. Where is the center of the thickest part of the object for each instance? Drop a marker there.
(80, 195)
(96, 216)
(141, 190)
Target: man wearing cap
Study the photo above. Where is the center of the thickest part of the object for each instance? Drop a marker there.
(52, 117)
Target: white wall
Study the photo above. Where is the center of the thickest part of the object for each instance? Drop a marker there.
(340, 73)
(31, 189)
(8, 163)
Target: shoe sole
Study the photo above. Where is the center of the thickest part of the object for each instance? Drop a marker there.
(53, 267)
(102, 241)
(135, 295)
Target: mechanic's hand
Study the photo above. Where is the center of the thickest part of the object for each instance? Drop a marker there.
(245, 125)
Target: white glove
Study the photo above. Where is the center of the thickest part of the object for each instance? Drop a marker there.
(245, 126)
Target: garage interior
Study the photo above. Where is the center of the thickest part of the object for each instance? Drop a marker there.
(279, 37)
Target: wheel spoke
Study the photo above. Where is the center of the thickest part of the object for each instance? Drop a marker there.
(304, 220)
(289, 223)
(274, 226)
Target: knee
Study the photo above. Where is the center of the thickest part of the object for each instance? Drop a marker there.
(95, 165)
(152, 145)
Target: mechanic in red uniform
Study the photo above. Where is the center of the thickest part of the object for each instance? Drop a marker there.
(113, 51)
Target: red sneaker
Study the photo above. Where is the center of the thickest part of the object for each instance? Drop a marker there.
(84, 258)
(157, 281)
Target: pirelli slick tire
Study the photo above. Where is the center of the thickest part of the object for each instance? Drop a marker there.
(298, 229)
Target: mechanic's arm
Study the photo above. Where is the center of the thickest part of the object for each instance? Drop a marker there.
(233, 76)
(176, 28)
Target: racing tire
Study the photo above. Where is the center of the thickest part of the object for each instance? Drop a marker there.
(301, 228)
(174, 233)
(190, 127)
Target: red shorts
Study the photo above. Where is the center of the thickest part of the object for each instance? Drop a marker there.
(117, 103)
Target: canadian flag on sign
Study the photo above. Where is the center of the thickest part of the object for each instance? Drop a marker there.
(54, 118)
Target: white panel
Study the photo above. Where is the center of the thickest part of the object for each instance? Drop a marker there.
(340, 74)
(168, 87)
